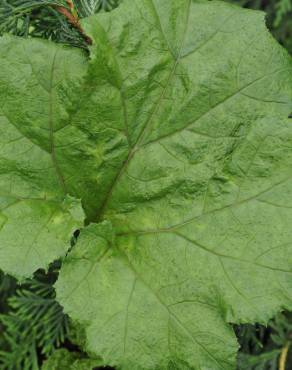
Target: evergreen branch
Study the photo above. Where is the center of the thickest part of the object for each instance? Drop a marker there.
(57, 20)
(282, 7)
(35, 323)
(74, 21)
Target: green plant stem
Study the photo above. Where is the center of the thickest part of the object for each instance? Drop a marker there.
(283, 356)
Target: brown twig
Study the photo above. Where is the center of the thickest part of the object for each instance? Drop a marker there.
(70, 4)
(74, 21)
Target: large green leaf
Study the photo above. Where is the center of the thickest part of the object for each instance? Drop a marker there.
(201, 204)
(37, 215)
(175, 135)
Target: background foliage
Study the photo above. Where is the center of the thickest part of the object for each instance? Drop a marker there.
(32, 324)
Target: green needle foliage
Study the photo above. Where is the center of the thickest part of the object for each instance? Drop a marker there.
(87, 7)
(33, 327)
(261, 346)
(41, 18)
(7, 288)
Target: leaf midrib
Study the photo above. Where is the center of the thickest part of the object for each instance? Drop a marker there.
(149, 121)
